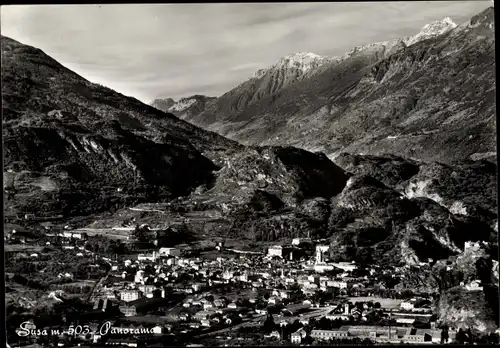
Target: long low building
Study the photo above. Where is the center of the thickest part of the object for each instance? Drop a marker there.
(376, 333)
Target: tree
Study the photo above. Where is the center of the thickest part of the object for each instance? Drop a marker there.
(460, 337)
(470, 337)
(493, 338)
(269, 325)
(140, 233)
(444, 335)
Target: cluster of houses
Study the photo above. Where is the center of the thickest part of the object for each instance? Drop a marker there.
(146, 284)
(151, 274)
(289, 281)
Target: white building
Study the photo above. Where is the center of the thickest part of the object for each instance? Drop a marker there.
(408, 305)
(314, 279)
(346, 266)
(69, 234)
(170, 252)
(297, 241)
(157, 330)
(151, 257)
(337, 284)
(322, 268)
(244, 277)
(148, 290)
(321, 250)
(475, 285)
(130, 295)
(198, 286)
(227, 275)
(333, 316)
(139, 276)
(276, 250)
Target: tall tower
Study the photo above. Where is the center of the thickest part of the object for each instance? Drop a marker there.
(320, 253)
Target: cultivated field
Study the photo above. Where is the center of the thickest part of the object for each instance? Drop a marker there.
(384, 302)
(22, 248)
(106, 232)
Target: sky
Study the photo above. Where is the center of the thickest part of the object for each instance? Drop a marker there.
(153, 51)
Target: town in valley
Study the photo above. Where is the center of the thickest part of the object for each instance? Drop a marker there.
(288, 293)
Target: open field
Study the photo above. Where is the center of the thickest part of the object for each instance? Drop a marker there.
(81, 283)
(388, 303)
(234, 295)
(105, 232)
(22, 248)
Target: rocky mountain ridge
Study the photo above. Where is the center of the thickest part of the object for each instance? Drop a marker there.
(184, 107)
(163, 104)
(383, 98)
(296, 66)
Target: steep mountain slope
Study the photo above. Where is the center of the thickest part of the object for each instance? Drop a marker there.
(287, 173)
(74, 147)
(163, 104)
(373, 222)
(265, 82)
(299, 66)
(185, 107)
(431, 100)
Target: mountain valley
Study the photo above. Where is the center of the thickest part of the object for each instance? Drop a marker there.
(386, 154)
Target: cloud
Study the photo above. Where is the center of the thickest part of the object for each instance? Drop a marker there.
(174, 50)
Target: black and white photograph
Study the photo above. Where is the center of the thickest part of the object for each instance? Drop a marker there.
(250, 174)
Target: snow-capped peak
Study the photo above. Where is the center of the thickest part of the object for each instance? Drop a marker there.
(183, 104)
(438, 27)
(304, 61)
(432, 30)
(298, 56)
(307, 61)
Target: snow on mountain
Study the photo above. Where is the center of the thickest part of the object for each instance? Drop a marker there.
(183, 104)
(375, 45)
(304, 61)
(172, 106)
(163, 104)
(259, 73)
(307, 61)
(431, 30)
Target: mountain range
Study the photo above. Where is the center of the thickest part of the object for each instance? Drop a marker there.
(429, 96)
